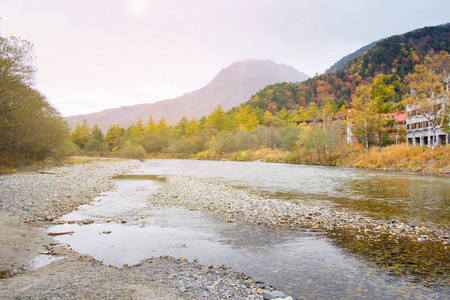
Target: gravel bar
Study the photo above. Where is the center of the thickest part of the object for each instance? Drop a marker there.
(35, 199)
(237, 204)
(40, 197)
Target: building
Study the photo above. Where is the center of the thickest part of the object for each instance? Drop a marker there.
(419, 131)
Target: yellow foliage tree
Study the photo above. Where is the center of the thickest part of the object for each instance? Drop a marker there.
(138, 128)
(246, 116)
(218, 120)
(112, 137)
(151, 126)
(81, 134)
(192, 127)
(365, 119)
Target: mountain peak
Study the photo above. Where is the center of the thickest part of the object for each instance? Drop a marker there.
(231, 87)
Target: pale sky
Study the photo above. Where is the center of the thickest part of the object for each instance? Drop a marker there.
(99, 54)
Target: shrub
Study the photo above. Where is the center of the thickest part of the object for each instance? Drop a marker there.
(132, 151)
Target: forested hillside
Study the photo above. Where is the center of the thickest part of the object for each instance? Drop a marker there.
(394, 56)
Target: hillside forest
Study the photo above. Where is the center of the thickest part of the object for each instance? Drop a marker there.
(285, 122)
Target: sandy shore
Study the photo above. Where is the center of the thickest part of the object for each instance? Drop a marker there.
(19, 243)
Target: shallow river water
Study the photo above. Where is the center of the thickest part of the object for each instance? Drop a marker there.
(306, 263)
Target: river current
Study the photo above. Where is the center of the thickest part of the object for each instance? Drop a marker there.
(305, 263)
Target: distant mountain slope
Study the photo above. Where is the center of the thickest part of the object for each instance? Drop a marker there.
(346, 59)
(231, 87)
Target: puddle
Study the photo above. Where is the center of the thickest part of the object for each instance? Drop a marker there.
(42, 260)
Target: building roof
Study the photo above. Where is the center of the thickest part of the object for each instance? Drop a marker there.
(400, 117)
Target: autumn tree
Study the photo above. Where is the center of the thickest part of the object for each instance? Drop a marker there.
(29, 125)
(36, 129)
(180, 128)
(150, 127)
(311, 142)
(192, 127)
(218, 120)
(164, 128)
(97, 142)
(365, 120)
(138, 128)
(246, 117)
(269, 137)
(81, 134)
(387, 91)
(243, 140)
(112, 137)
(97, 133)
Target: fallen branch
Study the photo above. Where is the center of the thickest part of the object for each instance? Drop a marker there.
(60, 233)
(46, 172)
(46, 253)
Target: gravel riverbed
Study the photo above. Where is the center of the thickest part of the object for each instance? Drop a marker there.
(239, 205)
(32, 200)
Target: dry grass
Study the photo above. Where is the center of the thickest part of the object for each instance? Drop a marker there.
(402, 157)
(265, 154)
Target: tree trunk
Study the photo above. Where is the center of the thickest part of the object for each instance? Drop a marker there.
(366, 134)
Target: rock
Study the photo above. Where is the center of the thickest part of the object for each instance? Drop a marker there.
(106, 231)
(274, 295)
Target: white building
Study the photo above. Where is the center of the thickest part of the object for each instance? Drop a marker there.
(419, 131)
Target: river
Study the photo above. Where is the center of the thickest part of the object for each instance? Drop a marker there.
(305, 263)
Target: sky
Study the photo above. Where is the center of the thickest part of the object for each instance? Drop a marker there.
(93, 55)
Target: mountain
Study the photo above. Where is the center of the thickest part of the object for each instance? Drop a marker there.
(395, 56)
(346, 59)
(231, 87)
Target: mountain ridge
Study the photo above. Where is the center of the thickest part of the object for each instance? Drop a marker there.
(231, 87)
